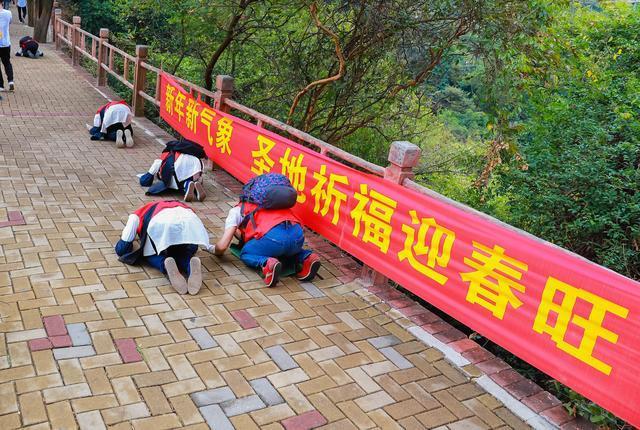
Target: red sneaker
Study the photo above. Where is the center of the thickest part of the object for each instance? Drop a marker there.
(310, 267)
(271, 271)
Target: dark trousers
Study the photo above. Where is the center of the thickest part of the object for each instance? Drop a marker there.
(22, 13)
(181, 253)
(5, 57)
(112, 130)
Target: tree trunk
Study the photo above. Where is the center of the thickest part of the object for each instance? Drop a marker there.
(31, 13)
(41, 27)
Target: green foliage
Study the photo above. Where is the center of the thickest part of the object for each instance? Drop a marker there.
(581, 120)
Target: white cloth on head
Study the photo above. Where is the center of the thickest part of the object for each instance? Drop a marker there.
(5, 20)
(234, 218)
(173, 226)
(114, 114)
(185, 167)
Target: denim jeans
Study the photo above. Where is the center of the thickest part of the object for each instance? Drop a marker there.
(284, 240)
(181, 253)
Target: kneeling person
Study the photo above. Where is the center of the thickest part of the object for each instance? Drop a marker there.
(113, 122)
(268, 229)
(178, 168)
(29, 48)
(169, 233)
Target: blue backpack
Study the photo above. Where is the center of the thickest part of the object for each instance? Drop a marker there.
(267, 191)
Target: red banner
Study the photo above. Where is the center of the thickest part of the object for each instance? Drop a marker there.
(572, 319)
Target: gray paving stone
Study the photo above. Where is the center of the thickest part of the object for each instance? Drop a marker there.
(281, 357)
(396, 358)
(242, 406)
(384, 341)
(211, 397)
(79, 334)
(203, 338)
(215, 418)
(73, 352)
(312, 289)
(266, 391)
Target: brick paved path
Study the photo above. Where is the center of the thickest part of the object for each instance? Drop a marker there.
(88, 342)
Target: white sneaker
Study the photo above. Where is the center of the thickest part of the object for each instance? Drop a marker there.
(2, 90)
(12, 86)
(119, 140)
(194, 283)
(128, 138)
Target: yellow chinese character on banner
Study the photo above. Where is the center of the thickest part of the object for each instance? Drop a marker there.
(192, 115)
(206, 116)
(262, 163)
(327, 193)
(437, 248)
(296, 172)
(169, 98)
(178, 106)
(374, 210)
(223, 137)
(491, 283)
(591, 326)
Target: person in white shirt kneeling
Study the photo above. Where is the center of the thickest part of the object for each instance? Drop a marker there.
(179, 168)
(113, 122)
(169, 233)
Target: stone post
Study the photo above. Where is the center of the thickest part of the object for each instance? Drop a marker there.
(140, 80)
(102, 56)
(57, 15)
(224, 90)
(75, 40)
(403, 157)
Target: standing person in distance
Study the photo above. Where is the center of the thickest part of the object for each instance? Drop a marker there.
(22, 10)
(5, 47)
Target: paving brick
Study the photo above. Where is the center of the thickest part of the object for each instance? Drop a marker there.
(125, 413)
(91, 420)
(52, 395)
(40, 344)
(128, 350)
(312, 289)
(216, 418)
(73, 352)
(396, 358)
(245, 319)
(308, 420)
(281, 357)
(241, 406)
(60, 341)
(384, 341)
(210, 397)
(267, 393)
(373, 401)
(54, 325)
(203, 338)
(79, 334)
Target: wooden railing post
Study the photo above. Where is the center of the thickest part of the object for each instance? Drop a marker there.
(224, 90)
(140, 80)
(75, 40)
(53, 20)
(403, 157)
(102, 55)
(57, 15)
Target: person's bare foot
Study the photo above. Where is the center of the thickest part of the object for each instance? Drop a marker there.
(195, 278)
(175, 277)
(201, 194)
